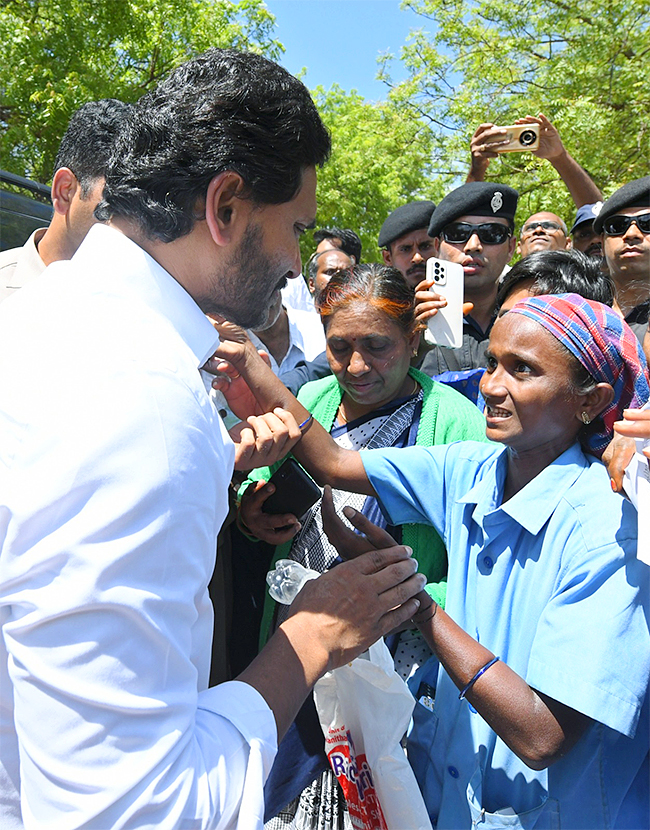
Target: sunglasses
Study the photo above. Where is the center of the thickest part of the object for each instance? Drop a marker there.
(490, 233)
(547, 226)
(618, 225)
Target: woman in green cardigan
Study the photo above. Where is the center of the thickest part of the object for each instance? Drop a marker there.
(372, 399)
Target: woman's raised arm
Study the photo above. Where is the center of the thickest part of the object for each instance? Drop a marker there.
(251, 388)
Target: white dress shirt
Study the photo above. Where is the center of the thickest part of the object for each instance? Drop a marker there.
(295, 294)
(19, 265)
(306, 340)
(111, 496)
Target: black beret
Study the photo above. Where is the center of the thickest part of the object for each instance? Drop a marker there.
(632, 194)
(475, 198)
(404, 219)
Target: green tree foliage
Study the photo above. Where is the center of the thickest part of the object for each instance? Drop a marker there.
(58, 54)
(380, 159)
(584, 65)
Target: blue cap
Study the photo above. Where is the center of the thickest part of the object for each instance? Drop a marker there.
(586, 213)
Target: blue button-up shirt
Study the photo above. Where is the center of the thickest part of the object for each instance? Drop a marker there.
(550, 582)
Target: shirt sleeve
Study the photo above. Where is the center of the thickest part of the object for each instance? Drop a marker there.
(603, 590)
(411, 483)
(114, 500)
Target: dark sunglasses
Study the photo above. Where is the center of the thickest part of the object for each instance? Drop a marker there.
(547, 226)
(617, 225)
(490, 233)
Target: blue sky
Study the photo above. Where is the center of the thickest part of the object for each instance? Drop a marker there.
(338, 41)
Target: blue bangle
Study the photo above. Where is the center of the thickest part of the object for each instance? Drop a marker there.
(494, 660)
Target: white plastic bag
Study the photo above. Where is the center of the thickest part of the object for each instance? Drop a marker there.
(364, 709)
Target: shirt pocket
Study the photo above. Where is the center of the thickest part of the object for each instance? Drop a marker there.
(545, 816)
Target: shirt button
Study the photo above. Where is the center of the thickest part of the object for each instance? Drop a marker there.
(489, 564)
(453, 772)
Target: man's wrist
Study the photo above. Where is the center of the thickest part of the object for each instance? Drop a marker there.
(559, 159)
(308, 647)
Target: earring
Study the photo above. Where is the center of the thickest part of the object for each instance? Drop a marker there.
(585, 418)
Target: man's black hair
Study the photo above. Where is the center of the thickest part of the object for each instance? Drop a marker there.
(221, 111)
(88, 142)
(350, 242)
(559, 272)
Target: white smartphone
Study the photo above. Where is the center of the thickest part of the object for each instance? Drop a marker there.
(446, 327)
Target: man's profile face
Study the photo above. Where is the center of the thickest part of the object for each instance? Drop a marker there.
(409, 254)
(482, 263)
(244, 287)
(329, 262)
(628, 255)
(543, 232)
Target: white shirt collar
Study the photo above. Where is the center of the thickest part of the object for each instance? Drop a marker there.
(137, 271)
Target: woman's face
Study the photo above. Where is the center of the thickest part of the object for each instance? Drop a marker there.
(369, 354)
(530, 402)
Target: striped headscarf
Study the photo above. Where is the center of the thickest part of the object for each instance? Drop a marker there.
(607, 348)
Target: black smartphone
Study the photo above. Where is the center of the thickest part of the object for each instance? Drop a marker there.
(295, 490)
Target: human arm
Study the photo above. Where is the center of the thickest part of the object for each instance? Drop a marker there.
(333, 619)
(618, 455)
(578, 182)
(316, 451)
(484, 138)
(537, 728)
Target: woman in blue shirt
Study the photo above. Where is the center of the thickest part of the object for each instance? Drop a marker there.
(543, 574)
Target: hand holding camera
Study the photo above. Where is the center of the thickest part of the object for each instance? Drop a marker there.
(532, 133)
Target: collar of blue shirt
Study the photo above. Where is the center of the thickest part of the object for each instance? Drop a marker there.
(532, 506)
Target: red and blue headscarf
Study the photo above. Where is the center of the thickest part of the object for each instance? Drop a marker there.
(607, 348)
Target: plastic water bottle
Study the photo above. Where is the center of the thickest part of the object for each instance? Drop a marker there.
(287, 579)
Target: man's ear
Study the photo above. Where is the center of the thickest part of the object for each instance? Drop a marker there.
(226, 212)
(436, 247)
(386, 255)
(64, 186)
(514, 243)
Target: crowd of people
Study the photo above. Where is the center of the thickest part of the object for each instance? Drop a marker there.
(473, 510)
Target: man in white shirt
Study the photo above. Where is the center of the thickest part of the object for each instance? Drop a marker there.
(77, 185)
(111, 495)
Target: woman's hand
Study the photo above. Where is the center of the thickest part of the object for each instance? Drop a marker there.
(348, 543)
(274, 528)
(616, 457)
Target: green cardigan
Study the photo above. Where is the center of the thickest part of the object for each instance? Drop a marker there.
(447, 416)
